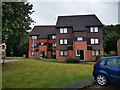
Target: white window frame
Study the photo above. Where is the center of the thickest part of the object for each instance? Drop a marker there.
(54, 45)
(95, 52)
(63, 30)
(94, 41)
(94, 29)
(63, 41)
(53, 53)
(53, 36)
(34, 45)
(33, 53)
(34, 37)
(79, 38)
(63, 53)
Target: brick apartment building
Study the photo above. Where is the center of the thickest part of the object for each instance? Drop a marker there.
(77, 35)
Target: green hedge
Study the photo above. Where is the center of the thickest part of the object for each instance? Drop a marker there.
(104, 55)
(72, 60)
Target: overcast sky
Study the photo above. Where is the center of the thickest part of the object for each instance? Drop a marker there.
(46, 13)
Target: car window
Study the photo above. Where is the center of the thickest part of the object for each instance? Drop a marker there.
(103, 61)
(115, 63)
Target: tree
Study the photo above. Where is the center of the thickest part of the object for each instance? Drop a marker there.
(110, 37)
(16, 21)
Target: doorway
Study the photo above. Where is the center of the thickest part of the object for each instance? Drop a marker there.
(42, 54)
(80, 54)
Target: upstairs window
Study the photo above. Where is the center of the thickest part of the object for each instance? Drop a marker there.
(34, 37)
(63, 41)
(94, 41)
(94, 29)
(54, 45)
(34, 45)
(53, 36)
(79, 38)
(63, 30)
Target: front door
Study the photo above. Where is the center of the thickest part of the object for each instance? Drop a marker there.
(80, 54)
(42, 54)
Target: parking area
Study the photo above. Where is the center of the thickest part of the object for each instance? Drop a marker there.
(96, 86)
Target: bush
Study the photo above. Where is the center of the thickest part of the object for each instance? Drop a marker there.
(72, 60)
(104, 55)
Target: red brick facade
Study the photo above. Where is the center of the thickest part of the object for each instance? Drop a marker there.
(69, 37)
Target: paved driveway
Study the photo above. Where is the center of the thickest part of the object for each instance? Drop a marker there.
(7, 60)
(96, 86)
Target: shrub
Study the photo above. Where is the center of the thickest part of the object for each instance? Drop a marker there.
(104, 55)
(72, 60)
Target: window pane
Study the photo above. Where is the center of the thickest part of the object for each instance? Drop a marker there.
(61, 41)
(53, 37)
(112, 63)
(65, 53)
(96, 29)
(92, 41)
(79, 38)
(65, 30)
(93, 53)
(34, 37)
(55, 44)
(33, 53)
(96, 41)
(61, 30)
(97, 52)
(65, 41)
(34, 45)
(61, 53)
(53, 53)
(91, 29)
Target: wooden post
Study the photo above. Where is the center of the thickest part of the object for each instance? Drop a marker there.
(118, 47)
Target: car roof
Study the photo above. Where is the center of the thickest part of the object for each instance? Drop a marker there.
(111, 57)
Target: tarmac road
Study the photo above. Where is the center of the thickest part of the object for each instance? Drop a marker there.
(95, 86)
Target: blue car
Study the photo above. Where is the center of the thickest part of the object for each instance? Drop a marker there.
(107, 70)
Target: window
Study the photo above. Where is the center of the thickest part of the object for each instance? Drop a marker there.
(54, 45)
(95, 52)
(93, 29)
(103, 62)
(113, 62)
(34, 37)
(63, 41)
(63, 53)
(53, 36)
(33, 53)
(94, 41)
(63, 30)
(34, 45)
(43, 43)
(53, 53)
(79, 38)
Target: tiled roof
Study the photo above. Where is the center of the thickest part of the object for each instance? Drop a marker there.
(78, 22)
(43, 31)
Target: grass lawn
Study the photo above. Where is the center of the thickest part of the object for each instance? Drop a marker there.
(40, 74)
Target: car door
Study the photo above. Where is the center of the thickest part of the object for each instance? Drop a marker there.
(113, 69)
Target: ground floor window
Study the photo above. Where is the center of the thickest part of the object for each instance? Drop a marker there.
(63, 53)
(95, 52)
(33, 53)
(53, 53)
